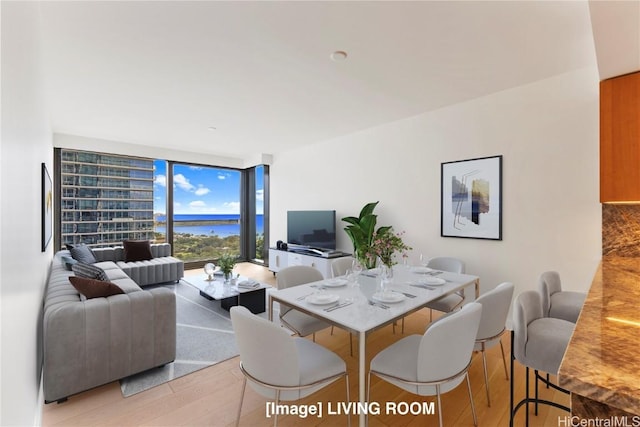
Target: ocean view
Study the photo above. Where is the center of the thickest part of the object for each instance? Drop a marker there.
(206, 225)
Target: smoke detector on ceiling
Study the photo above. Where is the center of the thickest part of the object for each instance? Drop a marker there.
(338, 55)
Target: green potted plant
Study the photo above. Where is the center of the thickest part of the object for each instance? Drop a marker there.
(226, 262)
(361, 230)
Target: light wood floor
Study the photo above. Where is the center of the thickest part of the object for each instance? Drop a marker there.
(210, 396)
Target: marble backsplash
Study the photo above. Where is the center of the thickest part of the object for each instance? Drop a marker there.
(621, 230)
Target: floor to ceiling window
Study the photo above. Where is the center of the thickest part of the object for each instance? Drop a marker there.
(203, 211)
(260, 172)
(206, 212)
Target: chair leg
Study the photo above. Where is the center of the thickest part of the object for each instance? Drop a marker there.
(314, 337)
(486, 376)
(331, 330)
(547, 380)
(368, 396)
(350, 345)
(403, 325)
(439, 404)
(527, 396)
(511, 384)
(473, 407)
(346, 380)
(504, 361)
(536, 385)
(275, 419)
(430, 315)
(244, 386)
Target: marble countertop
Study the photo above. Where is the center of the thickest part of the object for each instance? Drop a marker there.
(602, 361)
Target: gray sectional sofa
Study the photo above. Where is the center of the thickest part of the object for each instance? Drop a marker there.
(90, 342)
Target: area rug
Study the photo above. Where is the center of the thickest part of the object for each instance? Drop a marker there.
(204, 337)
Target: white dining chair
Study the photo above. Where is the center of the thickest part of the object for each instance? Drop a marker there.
(450, 302)
(280, 366)
(435, 362)
(495, 309)
(339, 266)
(300, 323)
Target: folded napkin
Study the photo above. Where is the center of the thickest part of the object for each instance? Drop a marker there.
(248, 284)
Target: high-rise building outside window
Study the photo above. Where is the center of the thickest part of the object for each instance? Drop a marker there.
(105, 198)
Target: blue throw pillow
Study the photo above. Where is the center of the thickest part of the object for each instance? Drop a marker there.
(89, 271)
(83, 253)
(68, 262)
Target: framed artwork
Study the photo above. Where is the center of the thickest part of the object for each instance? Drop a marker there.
(471, 198)
(47, 208)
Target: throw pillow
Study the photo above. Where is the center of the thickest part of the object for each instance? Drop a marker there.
(83, 253)
(68, 262)
(137, 250)
(93, 288)
(89, 271)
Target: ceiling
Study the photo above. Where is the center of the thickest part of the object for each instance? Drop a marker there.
(259, 74)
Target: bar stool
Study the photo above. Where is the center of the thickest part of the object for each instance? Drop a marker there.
(556, 302)
(538, 343)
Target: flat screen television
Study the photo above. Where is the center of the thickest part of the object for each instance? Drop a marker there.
(311, 229)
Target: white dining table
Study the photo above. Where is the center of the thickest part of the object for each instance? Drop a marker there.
(361, 317)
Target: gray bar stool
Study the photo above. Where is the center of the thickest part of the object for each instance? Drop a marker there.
(556, 302)
(539, 343)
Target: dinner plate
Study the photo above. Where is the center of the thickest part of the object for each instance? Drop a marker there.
(335, 283)
(434, 281)
(322, 299)
(388, 297)
(421, 270)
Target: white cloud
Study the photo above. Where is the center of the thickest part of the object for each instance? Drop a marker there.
(182, 182)
(160, 180)
(201, 191)
(232, 207)
(197, 204)
(221, 176)
(260, 195)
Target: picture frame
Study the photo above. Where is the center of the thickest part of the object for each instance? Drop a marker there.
(47, 207)
(471, 198)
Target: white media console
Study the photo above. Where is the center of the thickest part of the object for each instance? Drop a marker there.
(279, 259)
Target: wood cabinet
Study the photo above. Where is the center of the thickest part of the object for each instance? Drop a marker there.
(620, 139)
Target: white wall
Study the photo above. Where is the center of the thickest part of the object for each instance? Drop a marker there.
(547, 133)
(26, 143)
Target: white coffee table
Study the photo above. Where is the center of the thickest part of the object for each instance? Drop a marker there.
(254, 298)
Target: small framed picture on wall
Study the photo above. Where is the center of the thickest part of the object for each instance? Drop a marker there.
(47, 208)
(471, 198)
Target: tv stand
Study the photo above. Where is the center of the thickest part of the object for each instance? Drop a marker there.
(316, 258)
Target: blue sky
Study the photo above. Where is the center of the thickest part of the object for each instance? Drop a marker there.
(201, 190)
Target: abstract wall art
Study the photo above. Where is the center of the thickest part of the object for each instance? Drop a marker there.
(471, 198)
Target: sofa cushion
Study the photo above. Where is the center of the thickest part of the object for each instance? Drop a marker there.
(137, 250)
(90, 271)
(93, 288)
(82, 253)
